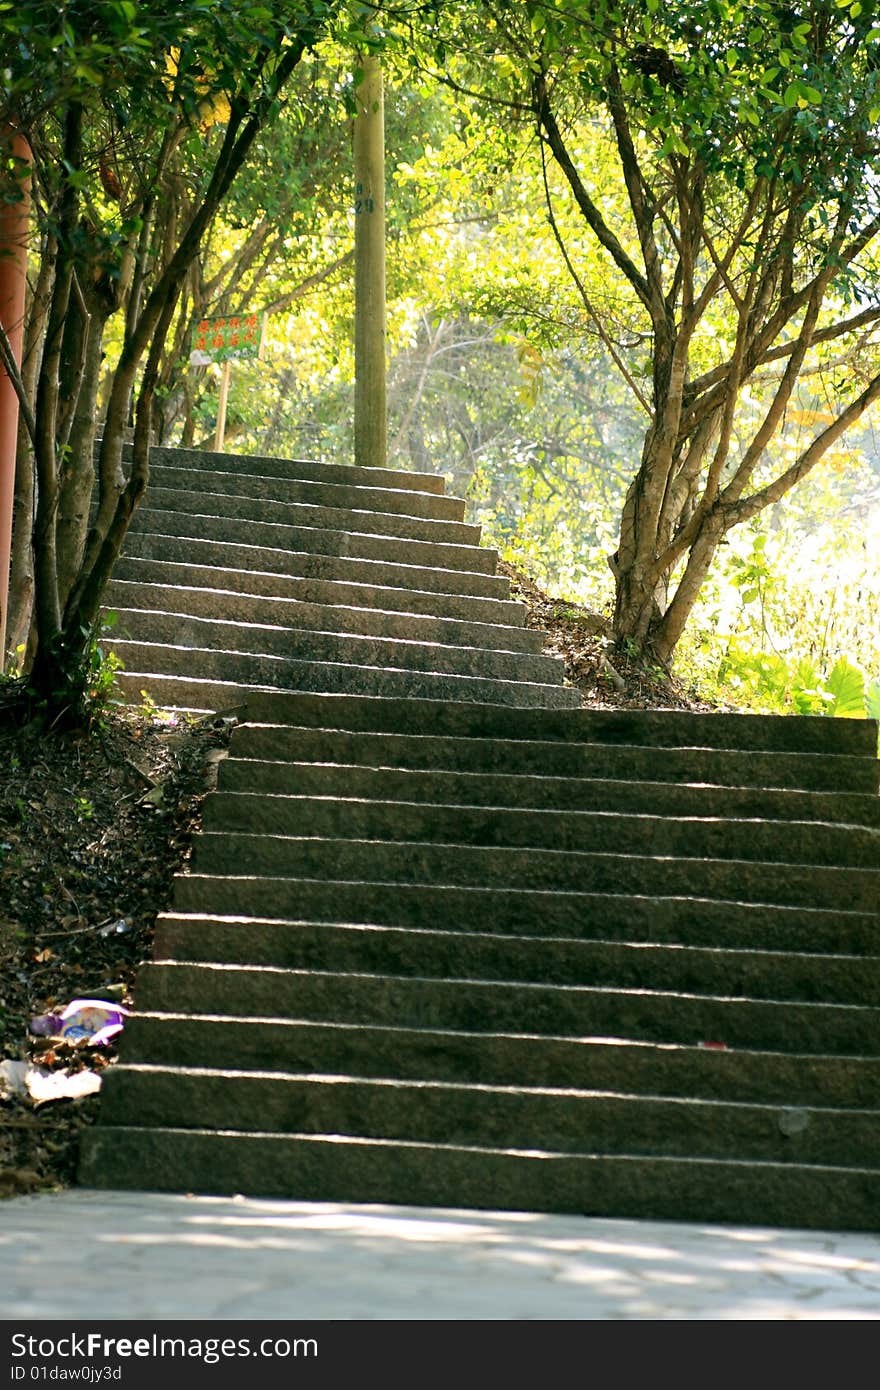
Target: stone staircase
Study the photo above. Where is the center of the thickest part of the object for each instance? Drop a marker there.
(448, 938)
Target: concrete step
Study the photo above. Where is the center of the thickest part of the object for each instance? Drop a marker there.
(440, 787)
(500, 1006)
(522, 757)
(314, 540)
(504, 1059)
(231, 606)
(151, 667)
(304, 564)
(472, 954)
(199, 504)
(626, 915)
(267, 466)
(328, 645)
(331, 1168)
(556, 1119)
(692, 837)
(352, 496)
(855, 738)
(331, 593)
(392, 862)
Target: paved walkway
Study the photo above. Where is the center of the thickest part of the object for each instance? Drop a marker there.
(157, 1256)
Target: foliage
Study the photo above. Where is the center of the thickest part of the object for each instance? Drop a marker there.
(785, 623)
(86, 689)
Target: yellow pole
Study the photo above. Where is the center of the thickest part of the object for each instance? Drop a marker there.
(369, 279)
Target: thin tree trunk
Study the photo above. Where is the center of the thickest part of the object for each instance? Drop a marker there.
(47, 603)
(21, 578)
(78, 475)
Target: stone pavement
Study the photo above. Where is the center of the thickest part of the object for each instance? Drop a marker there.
(80, 1254)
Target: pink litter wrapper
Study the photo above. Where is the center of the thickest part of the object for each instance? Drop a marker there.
(94, 1021)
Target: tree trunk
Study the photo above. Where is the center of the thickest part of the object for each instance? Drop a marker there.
(78, 474)
(21, 579)
(47, 605)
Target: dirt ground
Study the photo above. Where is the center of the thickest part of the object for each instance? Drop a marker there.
(93, 828)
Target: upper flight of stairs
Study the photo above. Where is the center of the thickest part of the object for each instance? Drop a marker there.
(447, 938)
(245, 572)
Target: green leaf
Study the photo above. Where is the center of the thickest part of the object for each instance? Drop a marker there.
(847, 684)
(872, 699)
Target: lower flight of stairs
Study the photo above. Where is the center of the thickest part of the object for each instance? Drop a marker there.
(477, 951)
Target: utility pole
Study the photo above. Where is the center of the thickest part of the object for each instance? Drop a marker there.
(13, 280)
(369, 276)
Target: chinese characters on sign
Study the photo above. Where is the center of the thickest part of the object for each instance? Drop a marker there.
(224, 339)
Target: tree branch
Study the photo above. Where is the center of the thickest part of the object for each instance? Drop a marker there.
(10, 366)
(600, 328)
(591, 213)
(284, 301)
(748, 507)
(640, 198)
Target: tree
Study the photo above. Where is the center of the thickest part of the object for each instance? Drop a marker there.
(120, 102)
(740, 227)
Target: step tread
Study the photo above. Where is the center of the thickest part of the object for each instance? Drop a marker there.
(299, 469)
(802, 736)
(247, 674)
(130, 597)
(434, 819)
(478, 1087)
(201, 631)
(483, 1148)
(257, 583)
(555, 1118)
(550, 938)
(333, 1167)
(323, 565)
(206, 968)
(543, 791)
(292, 536)
(752, 1074)
(371, 496)
(336, 515)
